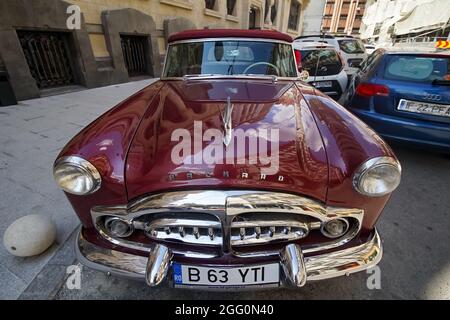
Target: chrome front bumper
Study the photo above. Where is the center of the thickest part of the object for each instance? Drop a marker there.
(297, 269)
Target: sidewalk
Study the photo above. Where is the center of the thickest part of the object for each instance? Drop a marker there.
(31, 135)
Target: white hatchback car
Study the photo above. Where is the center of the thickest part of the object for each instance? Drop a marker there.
(369, 48)
(324, 65)
(351, 49)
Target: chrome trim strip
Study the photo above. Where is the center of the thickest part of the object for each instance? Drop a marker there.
(269, 223)
(229, 39)
(270, 78)
(159, 223)
(227, 122)
(324, 266)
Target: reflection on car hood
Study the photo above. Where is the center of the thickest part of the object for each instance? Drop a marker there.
(195, 106)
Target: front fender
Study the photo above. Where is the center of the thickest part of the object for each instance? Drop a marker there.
(105, 144)
(348, 143)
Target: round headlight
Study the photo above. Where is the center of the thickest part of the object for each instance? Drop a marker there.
(377, 177)
(76, 175)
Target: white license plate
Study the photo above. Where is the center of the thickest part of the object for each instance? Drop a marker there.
(424, 108)
(260, 275)
(323, 84)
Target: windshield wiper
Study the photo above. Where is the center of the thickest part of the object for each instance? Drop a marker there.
(274, 78)
(440, 82)
(247, 75)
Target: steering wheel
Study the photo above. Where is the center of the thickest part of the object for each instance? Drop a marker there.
(261, 63)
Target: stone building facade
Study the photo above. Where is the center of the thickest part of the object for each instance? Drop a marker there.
(47, 44)
(417, 23)
(343, 16)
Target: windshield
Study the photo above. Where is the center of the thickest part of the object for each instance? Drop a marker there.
(230, 57)
(329, 62)
(351, 46)
(417, 68)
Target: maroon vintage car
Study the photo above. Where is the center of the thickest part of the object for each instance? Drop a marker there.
(228, 172)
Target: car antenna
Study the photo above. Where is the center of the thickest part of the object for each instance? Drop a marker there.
(318, 57)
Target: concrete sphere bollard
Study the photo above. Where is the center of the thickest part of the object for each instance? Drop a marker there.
(29, 235)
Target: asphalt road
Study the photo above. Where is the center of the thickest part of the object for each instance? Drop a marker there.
(416, 264)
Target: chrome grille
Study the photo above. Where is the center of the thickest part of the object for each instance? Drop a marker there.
(206, 232)
(226, 219)
(259, 232)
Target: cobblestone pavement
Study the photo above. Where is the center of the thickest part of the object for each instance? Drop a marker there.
(415, 225)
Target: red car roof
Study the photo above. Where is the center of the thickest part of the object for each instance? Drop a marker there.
(229, 33)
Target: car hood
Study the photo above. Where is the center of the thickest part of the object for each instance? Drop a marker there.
(176, 144)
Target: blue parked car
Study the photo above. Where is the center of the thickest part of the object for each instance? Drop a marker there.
(404, 96)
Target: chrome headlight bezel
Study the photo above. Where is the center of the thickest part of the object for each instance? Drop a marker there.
(371, 164)
(84, 167)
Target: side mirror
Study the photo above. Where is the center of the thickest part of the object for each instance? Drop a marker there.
(304, 75)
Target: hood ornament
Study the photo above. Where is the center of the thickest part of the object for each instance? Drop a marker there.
(227, 123)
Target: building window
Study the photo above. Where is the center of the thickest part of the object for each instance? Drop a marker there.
(254, 19)
(294, 15)
(326, 23)
(342, 22)
(185, 4)
(377, 29)
(231, 7)
(266, 9)
(273, 12)
(211, 4)
(357, 24)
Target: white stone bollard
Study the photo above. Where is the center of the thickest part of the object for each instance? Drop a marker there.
(29, 235)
